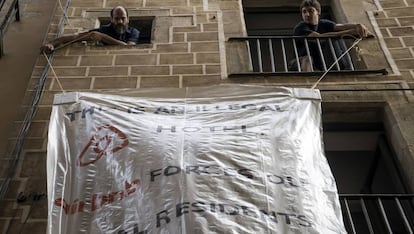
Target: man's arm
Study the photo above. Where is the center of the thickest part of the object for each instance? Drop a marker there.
(85, 36)
(355, 29)
(50, 46)
(98, 36)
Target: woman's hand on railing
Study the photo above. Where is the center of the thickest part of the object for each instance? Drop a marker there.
(370, 35)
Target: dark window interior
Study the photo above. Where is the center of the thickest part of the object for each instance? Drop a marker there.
(268, 21)
(361, 159)
(143, 24)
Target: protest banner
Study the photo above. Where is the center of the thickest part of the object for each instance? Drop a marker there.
(220, 159)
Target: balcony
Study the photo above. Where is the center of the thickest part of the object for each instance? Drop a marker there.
(378, 213)
(280, 55)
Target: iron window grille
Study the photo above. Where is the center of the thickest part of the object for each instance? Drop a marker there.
(378, 213)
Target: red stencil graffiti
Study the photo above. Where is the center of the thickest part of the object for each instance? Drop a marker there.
(107, 140)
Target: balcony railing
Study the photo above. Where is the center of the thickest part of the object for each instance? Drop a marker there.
(283, 55)
(378, 213)
(8, 10)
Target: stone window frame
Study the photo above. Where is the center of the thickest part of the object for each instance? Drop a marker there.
(162, 21)
(133, 21)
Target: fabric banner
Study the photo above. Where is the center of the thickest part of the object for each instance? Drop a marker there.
(220, 159)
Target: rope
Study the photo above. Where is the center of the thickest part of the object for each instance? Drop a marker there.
(50, 64)
(336, 61)
(54, 73)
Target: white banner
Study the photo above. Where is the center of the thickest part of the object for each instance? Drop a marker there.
(221, 159)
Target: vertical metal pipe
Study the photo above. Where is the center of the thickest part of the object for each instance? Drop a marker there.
(334, 54)
(318, 42)
(285, 65)
(295, 48)
(250, 53)
(272, 59)
(308, 53)
(259, 55)
(348, 214)
(384, 215)
(366, 216)
(406, 223)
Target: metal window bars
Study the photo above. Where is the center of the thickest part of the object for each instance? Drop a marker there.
(284, 55)
(378, 213)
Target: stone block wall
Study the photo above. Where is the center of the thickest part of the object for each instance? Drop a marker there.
(396, 25)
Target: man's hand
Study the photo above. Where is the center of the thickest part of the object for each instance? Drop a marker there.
(47, 48)
(361, 30)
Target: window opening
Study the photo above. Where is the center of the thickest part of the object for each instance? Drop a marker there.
(374, 196)
(275, 21)
(143, 24)
(264, 21)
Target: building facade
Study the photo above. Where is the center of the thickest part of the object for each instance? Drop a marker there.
(368, 111)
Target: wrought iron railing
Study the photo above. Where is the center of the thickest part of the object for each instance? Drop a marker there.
(274, 55)
(10, 12)
(378, 213)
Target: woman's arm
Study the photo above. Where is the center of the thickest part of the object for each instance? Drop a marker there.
(355, 29)
(345, 29)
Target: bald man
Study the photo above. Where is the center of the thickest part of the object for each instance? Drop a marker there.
(118, 32)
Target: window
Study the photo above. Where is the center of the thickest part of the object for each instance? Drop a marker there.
(143, 24)
(271, 21)
(374, 197)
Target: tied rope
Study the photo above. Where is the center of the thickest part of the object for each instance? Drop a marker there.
(54, 73)
(336, 61)
(50, 64)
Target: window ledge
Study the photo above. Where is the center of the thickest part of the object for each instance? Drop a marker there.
(293, 73)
